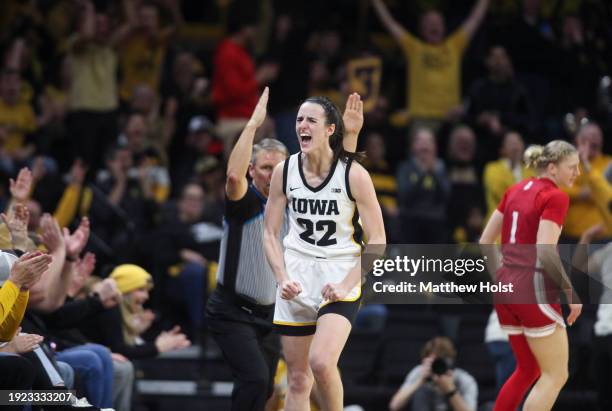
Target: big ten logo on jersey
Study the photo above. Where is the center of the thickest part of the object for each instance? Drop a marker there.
(314, 206)
(364, 77)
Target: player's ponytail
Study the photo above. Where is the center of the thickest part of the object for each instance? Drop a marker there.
(533, 155)
(539, 157)
(333, 116)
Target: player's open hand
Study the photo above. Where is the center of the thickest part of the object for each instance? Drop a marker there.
(259, 114)
(290, 289)
(334, 292)
(353, 114)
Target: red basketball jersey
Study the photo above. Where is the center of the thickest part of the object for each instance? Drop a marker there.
(523, 206)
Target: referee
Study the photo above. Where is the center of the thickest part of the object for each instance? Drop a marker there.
(239, 312)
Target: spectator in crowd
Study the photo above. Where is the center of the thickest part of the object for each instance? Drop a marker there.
(236, 80)
(32, 347)
(120, 328)
(46, 374)
(581, 64)
(147, 158)
(423, 192)
(529, 37)
(53, 104)
(16, 117)
(210, 174)
(124, 203)
(583, 212)
(47, 181)
(509, 169)
(49, 294)
(190, 90)
(435, 384)
(384, 181)
(81, 307)
(93, 97)
(7, 164)
(21, 56)
(160, 126)
(185, 245)
(142, 53)
(433, 69)
(18, 372)
(498, 102)
(464, 175)
(92, 362)
(200, 144)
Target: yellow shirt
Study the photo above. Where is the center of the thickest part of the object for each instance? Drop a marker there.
(94, 83)
(583, 214)
(497, 178)
(602, 195)
(19, 120)
(141, 63)
(434, 74)
(13, 303)
(75, 201)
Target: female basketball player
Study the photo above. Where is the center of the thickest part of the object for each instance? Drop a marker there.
(319, 274)
(532, 212)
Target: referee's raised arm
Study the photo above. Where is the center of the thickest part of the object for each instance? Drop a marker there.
(236, 183)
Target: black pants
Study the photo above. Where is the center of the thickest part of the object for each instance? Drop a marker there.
(17, 374)
(92, 133)
(602, 370)
(249, 346)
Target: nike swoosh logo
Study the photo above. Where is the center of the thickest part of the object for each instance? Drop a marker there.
(293, 188)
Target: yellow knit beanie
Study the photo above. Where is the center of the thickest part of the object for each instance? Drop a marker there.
(130, 277)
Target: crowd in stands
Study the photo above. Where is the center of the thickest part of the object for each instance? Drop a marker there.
(117, 117)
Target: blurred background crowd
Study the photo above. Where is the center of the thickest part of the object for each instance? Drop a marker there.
(117, 117)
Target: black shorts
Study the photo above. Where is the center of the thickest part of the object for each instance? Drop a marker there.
(347, 309)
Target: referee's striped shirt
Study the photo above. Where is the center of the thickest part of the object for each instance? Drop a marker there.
(243, 267)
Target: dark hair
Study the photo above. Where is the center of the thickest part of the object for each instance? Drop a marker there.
(333, 116)
(241, 13)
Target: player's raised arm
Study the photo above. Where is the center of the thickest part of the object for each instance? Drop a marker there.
(353, 122)
(273, 220)
(236, 183)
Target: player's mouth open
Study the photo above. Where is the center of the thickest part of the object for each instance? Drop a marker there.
(305, 138)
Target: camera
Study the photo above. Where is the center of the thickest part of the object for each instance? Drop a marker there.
(440, 366)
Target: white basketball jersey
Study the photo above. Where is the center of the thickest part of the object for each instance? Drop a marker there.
(323, 220)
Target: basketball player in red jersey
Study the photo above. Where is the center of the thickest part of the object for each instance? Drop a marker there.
(532, 212)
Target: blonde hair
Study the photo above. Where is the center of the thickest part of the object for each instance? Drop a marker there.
(539, 157)
(131, 325)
